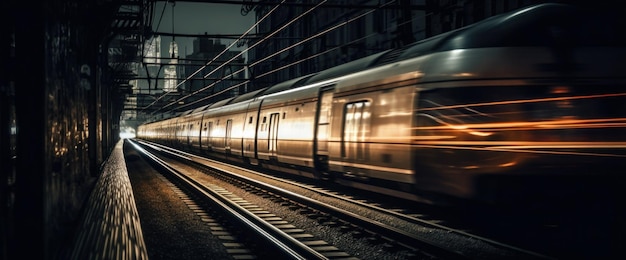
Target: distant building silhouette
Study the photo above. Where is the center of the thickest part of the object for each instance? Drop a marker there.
(218, 79)
(171, 71)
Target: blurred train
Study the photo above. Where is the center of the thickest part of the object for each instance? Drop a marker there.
(517, 104)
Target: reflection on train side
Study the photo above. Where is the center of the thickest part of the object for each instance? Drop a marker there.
(487, 130)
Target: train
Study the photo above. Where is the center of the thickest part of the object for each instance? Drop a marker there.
(527, 102)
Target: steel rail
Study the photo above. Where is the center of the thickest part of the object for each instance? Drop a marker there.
(284, 243)
(405, 237)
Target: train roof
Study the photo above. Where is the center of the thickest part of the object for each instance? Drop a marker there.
(552, 25)
(221, 102)
(499, 30)
(549, 24)
(249, 95)
(345, 69)
(289, 84)
(202, 108)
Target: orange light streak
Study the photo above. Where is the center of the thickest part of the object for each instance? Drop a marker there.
(508, 164)
(522, 101)
(527, 144)
(529, 125)
(514, 149)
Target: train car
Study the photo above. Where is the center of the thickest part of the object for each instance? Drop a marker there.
(228, 127)
(526, 103)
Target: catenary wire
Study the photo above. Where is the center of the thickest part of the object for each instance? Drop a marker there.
(266, 58)
(236, 56)
(277, 69)
(217, 56)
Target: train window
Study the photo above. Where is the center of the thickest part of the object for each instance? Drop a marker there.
(264, 125)
(273, 133)
(356, 130)
(229, 129)
(250, 120)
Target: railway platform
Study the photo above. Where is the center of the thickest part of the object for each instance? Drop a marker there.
(109, 227)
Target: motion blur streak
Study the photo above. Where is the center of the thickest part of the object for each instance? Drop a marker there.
(528, 145)
(540, 125)
(523, 101)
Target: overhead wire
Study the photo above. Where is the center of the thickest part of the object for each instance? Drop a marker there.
(238, 55)
(277, 53)
(273, 71)
(267, 37)
(269, 56)
(285, 66)
(218, 55)
(317, 35)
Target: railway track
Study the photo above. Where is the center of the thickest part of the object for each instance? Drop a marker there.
(402, 235)
(263, 231)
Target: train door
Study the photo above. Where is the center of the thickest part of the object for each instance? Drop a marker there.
(322, 130)
(203, 135)
(190, 136)
(356, 132)
(228, 138)
(209, 135)
(272, 137)
(180, 135)
(251, 128)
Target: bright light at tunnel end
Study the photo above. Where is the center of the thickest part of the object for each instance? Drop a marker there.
(127, 133)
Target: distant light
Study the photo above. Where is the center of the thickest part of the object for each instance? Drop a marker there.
(127, 135)
(463, 74)
(560, 90)
(128, 132)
